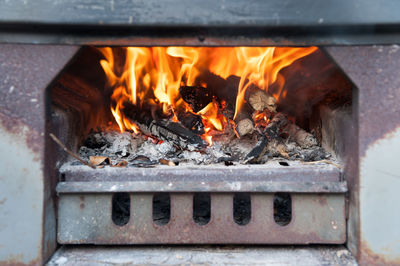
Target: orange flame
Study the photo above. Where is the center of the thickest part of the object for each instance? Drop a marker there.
(153, 76)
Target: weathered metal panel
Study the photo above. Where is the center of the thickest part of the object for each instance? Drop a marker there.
(201, 13)
(316, 218)
(25, 71)
(206, 22)
(374, 222)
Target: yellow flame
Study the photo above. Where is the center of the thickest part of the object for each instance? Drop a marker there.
(153, 76)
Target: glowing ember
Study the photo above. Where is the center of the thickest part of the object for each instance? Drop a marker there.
(151, 78)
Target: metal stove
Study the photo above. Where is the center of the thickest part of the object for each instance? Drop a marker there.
(43, 208)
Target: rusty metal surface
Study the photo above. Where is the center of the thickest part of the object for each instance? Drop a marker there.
(25, 72)
(374, 173)
(316, 218)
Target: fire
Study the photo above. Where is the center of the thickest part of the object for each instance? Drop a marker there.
(152, 77)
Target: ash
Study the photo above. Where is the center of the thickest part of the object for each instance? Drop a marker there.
(140, 150)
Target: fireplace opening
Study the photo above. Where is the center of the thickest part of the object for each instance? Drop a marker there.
(206, 145)
(142, 107)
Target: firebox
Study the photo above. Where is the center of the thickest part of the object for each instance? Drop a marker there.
(214, 145)
(249, 124)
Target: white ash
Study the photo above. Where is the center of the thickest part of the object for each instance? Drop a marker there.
(127, 146)
(166, 148)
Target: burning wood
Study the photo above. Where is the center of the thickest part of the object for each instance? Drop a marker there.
(272, 131)
(244, 121)
(192, 122)
(162, 129)
(244, 126)
(260, 100)
(196, 97)
(180, 98)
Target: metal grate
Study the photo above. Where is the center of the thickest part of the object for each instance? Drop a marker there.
(317, 207)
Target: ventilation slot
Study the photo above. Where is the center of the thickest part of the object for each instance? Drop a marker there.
(121, 208)
(201, 208)
(282, 208)
(242, 208)
(161, 208)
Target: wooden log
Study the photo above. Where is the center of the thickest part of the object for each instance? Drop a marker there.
(259, 100)
(272, 131)
(162, 129)
(221, 89)
(191, 121)
(244, 122)
(300, 136)
(196, 96)
(227, 89)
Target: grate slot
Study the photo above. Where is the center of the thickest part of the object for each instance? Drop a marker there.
(161, 208)
(242, 208)
(282, 208)
(201, 208)
(121, 204)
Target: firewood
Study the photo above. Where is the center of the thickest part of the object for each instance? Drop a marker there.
(221, 89)
(244, 127)
(272, 131)
(244, 121)
(191, 121)
(196, 96)
(260, 100)
(162, 129)
(300, 136)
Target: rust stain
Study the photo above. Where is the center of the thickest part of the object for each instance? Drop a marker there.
(19, 129)
(368, 257)
(16, 261)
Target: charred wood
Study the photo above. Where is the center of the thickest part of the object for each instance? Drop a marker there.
(192, 122)
(196, 97)
(272, 131)
(221, 89)
(162, 129)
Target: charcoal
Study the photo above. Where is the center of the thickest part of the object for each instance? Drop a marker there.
(192, 122)
(162, 129)
(196, 97)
